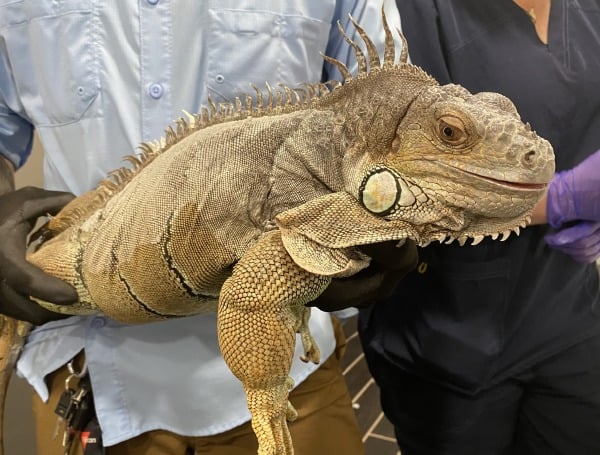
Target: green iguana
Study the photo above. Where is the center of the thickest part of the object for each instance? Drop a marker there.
(251, 208)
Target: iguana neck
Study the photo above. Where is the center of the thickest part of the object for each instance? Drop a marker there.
(310, 161)
(370, 109)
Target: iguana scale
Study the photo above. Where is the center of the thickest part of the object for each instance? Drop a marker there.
(251, 208)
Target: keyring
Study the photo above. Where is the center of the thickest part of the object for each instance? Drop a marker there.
(77, 374)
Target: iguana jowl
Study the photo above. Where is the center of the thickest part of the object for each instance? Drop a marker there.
(250, 209)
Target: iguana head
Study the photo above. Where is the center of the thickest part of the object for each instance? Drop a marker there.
(447, 163)
(460, 166)
(456, 166)
(420, 161)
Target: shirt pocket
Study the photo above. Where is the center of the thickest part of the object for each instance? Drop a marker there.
(458, 326)
(289, 44)
(50, 47)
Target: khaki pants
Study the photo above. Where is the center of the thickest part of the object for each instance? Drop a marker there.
(326, 422)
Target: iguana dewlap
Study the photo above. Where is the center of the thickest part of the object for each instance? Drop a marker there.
(250, 209)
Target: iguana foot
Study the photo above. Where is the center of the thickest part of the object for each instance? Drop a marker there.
(311, 350)
(291, 413)
(270, 408)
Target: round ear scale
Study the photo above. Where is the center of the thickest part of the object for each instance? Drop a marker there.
(382, 191)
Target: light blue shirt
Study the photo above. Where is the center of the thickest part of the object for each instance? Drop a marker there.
(94, 79)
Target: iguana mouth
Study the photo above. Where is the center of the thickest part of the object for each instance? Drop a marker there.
(519, 185)
(506, 183)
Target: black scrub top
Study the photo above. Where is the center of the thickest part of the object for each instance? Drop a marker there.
(471, 316)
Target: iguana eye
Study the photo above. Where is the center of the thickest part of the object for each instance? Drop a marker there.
(452, 130)
(448, 132)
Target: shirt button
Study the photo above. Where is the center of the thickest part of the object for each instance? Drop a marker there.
(152, 2)
(156, 91)
(219, 78)
(98, 322)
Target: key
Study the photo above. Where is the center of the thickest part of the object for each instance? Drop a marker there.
(79, 394)
(68, 402)
(67, 441)
(84, 413)
(72, 411)
(76, 400)
(77, 411)
(65, 406)
(64, 409)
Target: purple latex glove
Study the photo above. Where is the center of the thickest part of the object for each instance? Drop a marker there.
(581, 241)
(575, 194)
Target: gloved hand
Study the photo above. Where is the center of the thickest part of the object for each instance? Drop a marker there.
(575, 194)
(389, 265)
(18, 278)
(580, 241)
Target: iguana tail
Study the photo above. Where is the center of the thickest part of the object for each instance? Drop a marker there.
(12, 339)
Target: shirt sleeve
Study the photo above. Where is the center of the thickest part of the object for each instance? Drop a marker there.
(16, 133)
(368, 15)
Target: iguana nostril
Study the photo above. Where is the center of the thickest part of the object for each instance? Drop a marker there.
(529, 157)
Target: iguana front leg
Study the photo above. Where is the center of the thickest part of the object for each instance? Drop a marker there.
(261, 307)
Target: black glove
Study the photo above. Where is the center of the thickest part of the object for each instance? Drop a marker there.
(389, 265)
(18, 278)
